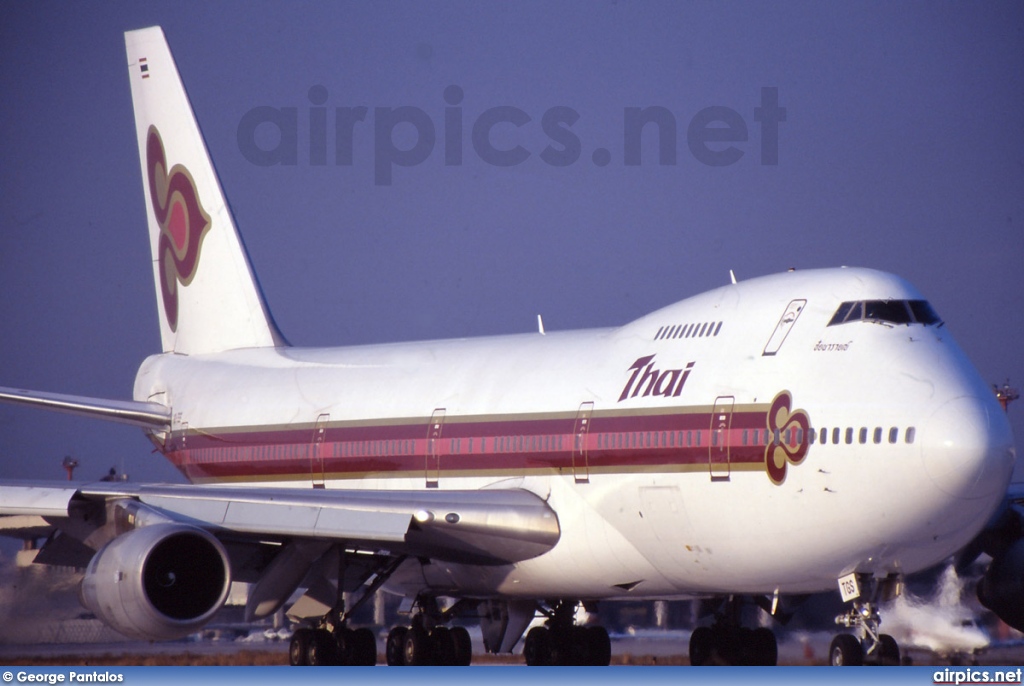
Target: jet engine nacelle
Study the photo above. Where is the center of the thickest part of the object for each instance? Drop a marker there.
(1001, 589)
(158, 582)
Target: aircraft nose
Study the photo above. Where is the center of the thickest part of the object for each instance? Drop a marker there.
(968, 448)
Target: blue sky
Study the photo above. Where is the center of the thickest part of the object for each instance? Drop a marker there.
(902, 149)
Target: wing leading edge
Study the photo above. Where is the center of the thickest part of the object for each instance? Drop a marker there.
(479, 527)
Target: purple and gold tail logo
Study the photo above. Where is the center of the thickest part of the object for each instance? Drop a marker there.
(183, 223)
(791, 427)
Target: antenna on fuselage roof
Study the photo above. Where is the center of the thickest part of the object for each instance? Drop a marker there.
(732, 276)
(540, 325)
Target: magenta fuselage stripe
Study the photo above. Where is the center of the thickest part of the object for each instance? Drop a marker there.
(612, 443)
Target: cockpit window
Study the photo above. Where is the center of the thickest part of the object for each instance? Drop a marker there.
(886, 312)
(923, 312)
(840, 316)
(895, 311)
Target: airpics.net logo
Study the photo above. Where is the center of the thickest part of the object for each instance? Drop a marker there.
(407, 136)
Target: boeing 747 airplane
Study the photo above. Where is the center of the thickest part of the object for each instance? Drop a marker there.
(808, 431)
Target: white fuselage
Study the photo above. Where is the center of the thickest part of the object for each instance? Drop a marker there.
(654, 443)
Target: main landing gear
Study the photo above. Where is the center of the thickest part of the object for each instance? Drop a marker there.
(727, 642)
(561, 642)
(426, 641)
(868, 646)
(333, 646)
(733, 645)
(331, 641)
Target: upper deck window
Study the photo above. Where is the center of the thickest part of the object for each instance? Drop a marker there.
(886, 312)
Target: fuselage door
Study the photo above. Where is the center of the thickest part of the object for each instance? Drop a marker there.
(718, 450)
(785, 325)
(316, 458)
(433, 451)
(581, 429)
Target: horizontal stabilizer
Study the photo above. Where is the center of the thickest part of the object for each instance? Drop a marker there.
(146, 415)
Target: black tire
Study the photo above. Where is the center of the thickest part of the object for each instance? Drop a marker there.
(764, 648)
(537, 649)
(845, 651)
(394, 649)
(600, 646)
(322, 649)
(701, 644)
(363, 651)
(298, 649)
(888, 651)
(463, 646)
(416, 648)
(577, 651)
(442, 650)
(343, 646)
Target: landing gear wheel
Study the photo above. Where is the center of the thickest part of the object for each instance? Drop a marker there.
(343, 646)
(299, 647)
(416, 647)
(576, 647)
(394, 650)
(600, 646)
(463, 646)
(322, 649)
(441, 647)
(363, 651)
(701, 641)
(845, 651)
(537, 649)
(765, 648)
(888, 651)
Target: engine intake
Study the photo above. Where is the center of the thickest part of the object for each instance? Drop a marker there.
(158, 582)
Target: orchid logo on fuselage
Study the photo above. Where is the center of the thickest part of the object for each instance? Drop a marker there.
(648, 380)
(183, 223)
(791, 430)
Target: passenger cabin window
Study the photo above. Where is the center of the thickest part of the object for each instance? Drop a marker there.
(850, 435)
(886, 312)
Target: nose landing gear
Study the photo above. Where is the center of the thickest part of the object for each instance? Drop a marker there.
(868, 646)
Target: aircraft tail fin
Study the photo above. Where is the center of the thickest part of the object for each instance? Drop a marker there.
(207, 294)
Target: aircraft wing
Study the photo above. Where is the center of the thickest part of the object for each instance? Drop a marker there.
(481, 526)
(146, 415)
